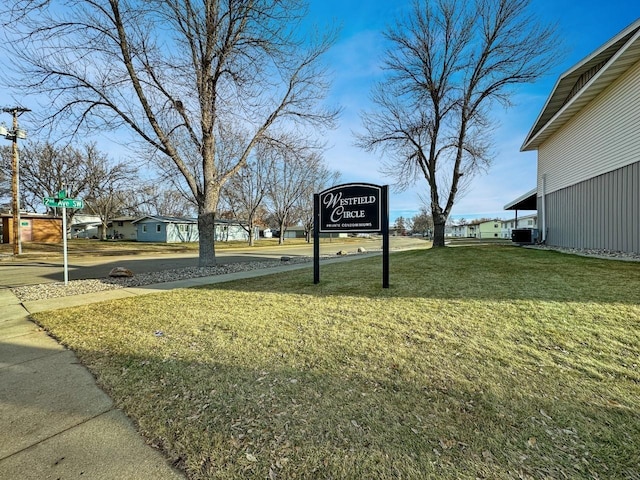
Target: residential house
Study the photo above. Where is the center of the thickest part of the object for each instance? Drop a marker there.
(175, 230)
(166, 229)
(459, 231)
(588, 143)
(84, 225)
(472, 229)
(488, 229)
(232, 230)
(299, 232)
(527, 222)
(122, 228)
(33, 228)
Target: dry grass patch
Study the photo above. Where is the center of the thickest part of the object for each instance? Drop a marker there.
(479, 362)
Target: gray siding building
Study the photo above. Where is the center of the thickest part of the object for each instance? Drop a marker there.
(588, 142)
(176, 230)
(166, 229)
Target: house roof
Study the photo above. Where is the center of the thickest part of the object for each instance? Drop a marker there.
(528, 201)
(87, 224)
(26, 215)
(583, 82)
(161, 219)
(523, 217)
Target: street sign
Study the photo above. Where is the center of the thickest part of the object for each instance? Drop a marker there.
(60, 202)
(64, 202)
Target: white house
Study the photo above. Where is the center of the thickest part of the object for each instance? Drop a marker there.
(460, 231)
(85, 226)
(588, 142)
(524, 222)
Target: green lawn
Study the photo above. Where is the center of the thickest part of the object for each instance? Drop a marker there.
(479, 362)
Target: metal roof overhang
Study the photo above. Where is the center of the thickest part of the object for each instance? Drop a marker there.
(620, 53)
(528, 201)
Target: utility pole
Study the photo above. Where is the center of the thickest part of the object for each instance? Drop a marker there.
(13, 135)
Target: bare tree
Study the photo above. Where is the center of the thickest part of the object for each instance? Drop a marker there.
(45, 168)
(158, 197)
(449, 63)
(110, 192)
(422, 222)
(5, 179)
(86, 173)
(180, 75)
(400, 225)
(289, 179)
(320, 178)
(246, 191)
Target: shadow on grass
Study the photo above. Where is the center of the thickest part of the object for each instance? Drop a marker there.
(234, 384)
(229, 420)
(499, 273)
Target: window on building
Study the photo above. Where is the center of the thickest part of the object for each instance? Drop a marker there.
(121, 224)
(144, 228)
(158, 228)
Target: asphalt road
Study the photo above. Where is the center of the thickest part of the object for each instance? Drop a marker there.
(24, 271)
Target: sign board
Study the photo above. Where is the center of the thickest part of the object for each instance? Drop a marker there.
(353, 207)
(59, 201)
(63, 202)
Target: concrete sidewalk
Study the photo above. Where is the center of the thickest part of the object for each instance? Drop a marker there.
(55, 421)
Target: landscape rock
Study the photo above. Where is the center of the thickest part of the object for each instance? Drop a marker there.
(120, 272)
(78, 287)
(342, 252)
(362, 250)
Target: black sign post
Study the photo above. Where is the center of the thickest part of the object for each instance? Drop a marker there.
(352, 208)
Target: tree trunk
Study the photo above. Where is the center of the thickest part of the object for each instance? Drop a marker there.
(439, 222)
(206, 244)
(207, 229)
(281, 237)
(251, 240)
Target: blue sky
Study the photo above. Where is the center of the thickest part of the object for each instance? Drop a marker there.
(583, 25)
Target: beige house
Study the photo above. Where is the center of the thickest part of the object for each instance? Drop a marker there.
(122, 228)
(588, 142)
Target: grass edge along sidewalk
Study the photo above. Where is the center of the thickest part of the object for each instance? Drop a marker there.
(478, 362)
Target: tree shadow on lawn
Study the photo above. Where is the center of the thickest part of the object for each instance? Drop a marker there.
(224, 420)
(316, 394)
(493, 273)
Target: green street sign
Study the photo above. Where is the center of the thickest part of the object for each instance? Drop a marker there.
(65, 202)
